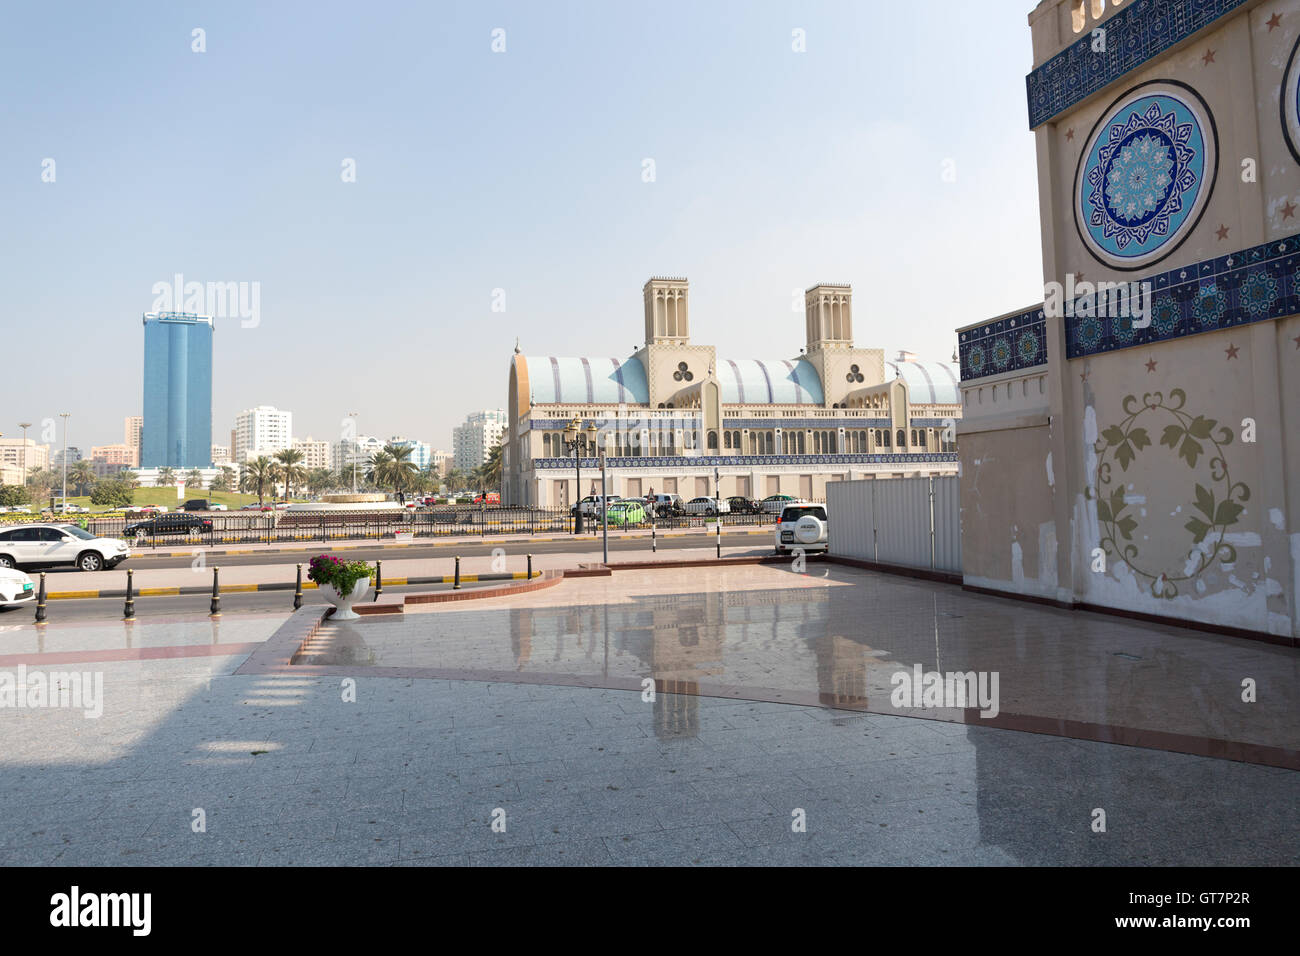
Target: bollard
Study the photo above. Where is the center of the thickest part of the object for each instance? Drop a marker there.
(530, 567)
(214, 609)
(719, 537)
(379, 580)
(456, 584)
(40, 601)
(297, 590)
(654, 542)
(128, 612)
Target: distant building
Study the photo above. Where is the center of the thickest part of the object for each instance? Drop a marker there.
(315, 454)
(440, 460)
(177, 420)
(421, 451)
(263, 430)
(73, 455)
(472, 441)
(220, 455)
(23, 454)
(123, 456)
(675, 418)
(132, 428)
(345, 454)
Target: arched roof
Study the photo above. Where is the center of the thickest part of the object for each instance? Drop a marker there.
(928, 383)
(768, 382)
(586, 380)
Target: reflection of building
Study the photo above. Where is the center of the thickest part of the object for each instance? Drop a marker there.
(1115, 420)
(473, 441)
(177, 420)
(672, 412)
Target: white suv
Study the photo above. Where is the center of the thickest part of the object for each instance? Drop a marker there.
(801, 525)
(41, 544)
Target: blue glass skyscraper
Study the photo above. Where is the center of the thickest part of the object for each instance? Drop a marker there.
(177, 391)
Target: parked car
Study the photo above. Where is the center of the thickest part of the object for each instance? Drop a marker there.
(71, 510)
(178, 524)
(591, 505)
(801, 525)
(197, 504)
(492, 498)
(15, 588)
(624, 513)
(216, 506)
(42, 544)
(666, 506)
(772, 504)
(707, 506)
(740, 505)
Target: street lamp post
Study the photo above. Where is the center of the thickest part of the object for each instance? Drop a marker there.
(64, 503)
(24, 426)
(353, 416)
(575, 440)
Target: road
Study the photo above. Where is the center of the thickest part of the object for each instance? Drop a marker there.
(142, 560)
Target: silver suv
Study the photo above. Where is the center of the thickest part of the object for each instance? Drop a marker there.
(802, 525)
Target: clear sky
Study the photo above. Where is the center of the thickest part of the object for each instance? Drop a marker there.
(477, 171)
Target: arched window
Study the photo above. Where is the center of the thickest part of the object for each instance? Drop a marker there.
(726, 440)
(1078, 16)
(713, 440)
(885, 432)
(902, 438)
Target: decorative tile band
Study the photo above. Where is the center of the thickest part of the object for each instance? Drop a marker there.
(1132, 37)
(714, 461)
(1006, 345)
(656, 424)
(1252, 285)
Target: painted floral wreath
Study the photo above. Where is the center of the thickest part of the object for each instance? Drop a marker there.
(1214, 508)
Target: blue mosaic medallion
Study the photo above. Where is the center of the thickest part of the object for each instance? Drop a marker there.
(1145, 175)
(1290, 102)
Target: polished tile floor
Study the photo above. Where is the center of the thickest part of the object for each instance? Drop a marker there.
(836, 636)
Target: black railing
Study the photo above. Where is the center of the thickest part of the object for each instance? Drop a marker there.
(422, 523)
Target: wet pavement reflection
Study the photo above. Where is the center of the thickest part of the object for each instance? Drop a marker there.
(839, 638)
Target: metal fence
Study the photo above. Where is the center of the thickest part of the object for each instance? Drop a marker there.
(424, 523)
(913, 522)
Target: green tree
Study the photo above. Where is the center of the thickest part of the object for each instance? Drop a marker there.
(81, 476)
(112, 492)
(490, 470)
(258, 474)
(320, 480)
(392, 468)
(166, 477)
(13, 495)
(290, 468)
(194, 479)
(224, 481)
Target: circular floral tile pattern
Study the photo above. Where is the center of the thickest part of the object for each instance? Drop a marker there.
(1290, 102)
(1001, 353)
(1145, 175)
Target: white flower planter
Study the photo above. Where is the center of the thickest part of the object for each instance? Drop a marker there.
(343, 602)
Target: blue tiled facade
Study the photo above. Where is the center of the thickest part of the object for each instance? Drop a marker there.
(1008, 344)
(657, 424)
(1248, 286)
(1133, 36)
(714, 461)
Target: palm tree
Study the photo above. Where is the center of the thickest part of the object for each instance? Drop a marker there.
(320, 480)
(166, 476)
(259, 473)
(130, 478)
(194, 479)
(391, 467)
(81, 476)
(290, 469)
(490, 471)
(224, 481)
(455, 479)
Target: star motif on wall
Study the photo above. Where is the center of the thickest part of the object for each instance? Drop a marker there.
(1083, 377)
(1232, 351)
(1069, 134)
(1221, 232)
(1274, 21)
(1208, 57)
(1288, 210)
(1078, 277)
(1151, 365)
